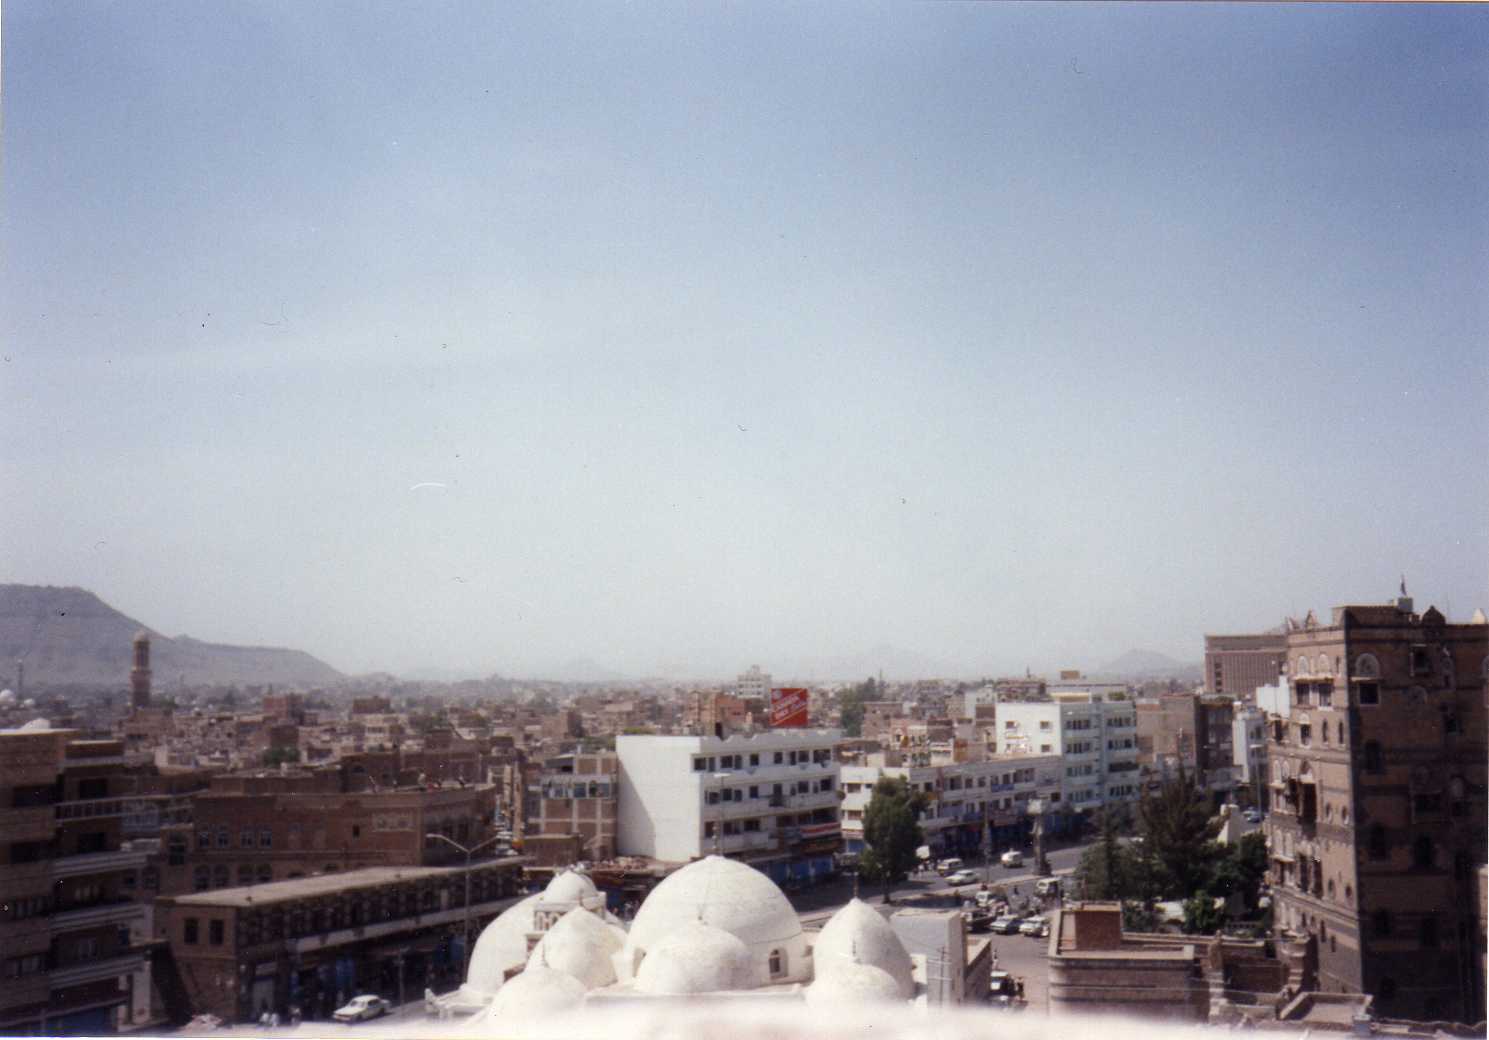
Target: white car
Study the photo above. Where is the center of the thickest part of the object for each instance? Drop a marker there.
(962, 877)
(1012, 858)
(1037, 927)
(361, 1008)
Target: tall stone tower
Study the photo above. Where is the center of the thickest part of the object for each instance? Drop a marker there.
(139, 675)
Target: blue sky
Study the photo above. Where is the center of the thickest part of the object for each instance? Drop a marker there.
(1001, 334)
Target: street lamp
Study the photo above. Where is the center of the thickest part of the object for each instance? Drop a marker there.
(465, 927)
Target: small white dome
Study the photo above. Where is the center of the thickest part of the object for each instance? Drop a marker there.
(858, 934)
(502, 945)
(36, 725)
(569, 887)
(696, 958)
(582, 945)
(535, 995)
(848, 985)
(6, 696)
(733, 898)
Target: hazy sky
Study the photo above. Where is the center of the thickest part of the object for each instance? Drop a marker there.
(719, 334)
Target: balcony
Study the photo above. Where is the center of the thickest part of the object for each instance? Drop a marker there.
(87, 863)
(125, 911)
(94, 971)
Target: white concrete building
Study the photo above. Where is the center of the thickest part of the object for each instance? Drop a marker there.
(960, 796)
(770, 799)
(1249, 748)
(753, 683)
(1095, 737)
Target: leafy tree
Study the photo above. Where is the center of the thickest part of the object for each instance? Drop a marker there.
(890, 833)
(1179, 835)
(1105, 870)
(1139, 916)
(1240, 869)
(1201, 917)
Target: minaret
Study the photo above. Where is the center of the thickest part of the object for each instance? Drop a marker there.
(20, 679)
(139, 675)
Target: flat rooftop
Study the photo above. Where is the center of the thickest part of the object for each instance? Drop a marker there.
(329, 884)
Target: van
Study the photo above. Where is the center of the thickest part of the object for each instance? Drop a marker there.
(1012, 858)
(948, 866)
(1047, 887)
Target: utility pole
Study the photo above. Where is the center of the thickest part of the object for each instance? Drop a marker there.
(465, 926)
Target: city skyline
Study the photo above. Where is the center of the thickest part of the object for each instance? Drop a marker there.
(492, 340)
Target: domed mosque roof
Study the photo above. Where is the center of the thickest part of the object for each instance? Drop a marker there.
(733, 898)
(569, 887)
(582, 945)
(859, 935)
(533, 997)
(36, 725)
(696, 958)
(848, 985)
(501, 945)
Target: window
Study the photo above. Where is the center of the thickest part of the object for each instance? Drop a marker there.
(245, 873)
(1381, 923)
(754, 759)
(1373, 761)
(245, 838)
(265, 873)
(1302, 693)
(1421, 853)
(266, 838)
(1377, 842)
(1339, 732)
(1427, 933)
(94, 787)
(1367, 693)
(700, 764)
(777, 964)
(190, 932)
(1044, 725)
(224, 840)
(220, 876)
(214, 931)
(779, 758)
(1305, 734)
(1420, 665)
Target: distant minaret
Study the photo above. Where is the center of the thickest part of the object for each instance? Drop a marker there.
(20, 679)
(139, 675)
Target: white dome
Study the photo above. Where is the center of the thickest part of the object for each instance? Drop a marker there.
(848, 985)
(569, 887)
(535, 995)
(501, 945)
(36, 725)
(858, 934)
(6, 696)
(696, 958)
(582, 945)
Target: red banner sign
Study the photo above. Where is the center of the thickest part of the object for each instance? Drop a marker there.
(788, 708)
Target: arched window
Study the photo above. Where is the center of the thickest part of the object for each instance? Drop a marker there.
(1339, 732)
(777, 964)
(1367, 667)
(265, 873)
(224, 839)
(1421, 852)
(201, 879)
(220, 876)
(245, 873)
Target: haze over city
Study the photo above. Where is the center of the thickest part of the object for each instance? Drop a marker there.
(492, 338)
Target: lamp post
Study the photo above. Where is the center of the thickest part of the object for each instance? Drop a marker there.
(465, 927)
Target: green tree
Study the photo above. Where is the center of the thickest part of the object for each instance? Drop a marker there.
(851, 704)
(1240, 869)
(276, 755)
(1201, 916)
(1105, 870)
(1179, 835)
(890, 833)
(1139, 916)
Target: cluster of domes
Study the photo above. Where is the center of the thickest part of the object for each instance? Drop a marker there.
(716, 926)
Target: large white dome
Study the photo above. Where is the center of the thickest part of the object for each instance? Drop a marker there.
(569, 887)
(501, 945)
(582, 945)
(733, 898)
(696, 958)
(849, 985)
(534, 996)
(857, 934)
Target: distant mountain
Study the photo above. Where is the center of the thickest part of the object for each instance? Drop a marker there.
(68, 636)
(1149, 664)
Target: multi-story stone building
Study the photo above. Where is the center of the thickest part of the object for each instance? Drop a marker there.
(1237, 665)
(1377, 824)
(770, 799)
(70, 961)
(753, 683)
(962, 799)
(575, 794)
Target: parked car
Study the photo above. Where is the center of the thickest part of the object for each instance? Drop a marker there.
(962, 877)
(1047, 887)
(978, 919)
(1003, 991)
(1035, 927)
(987, 897)
(1012, 858)
(1008, 924)
(361, 1008)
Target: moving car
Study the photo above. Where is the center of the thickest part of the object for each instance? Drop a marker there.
(1003, 991)
(1035, 927)
(1012, 858)
(987, 897)
(1008, 924)
(363, 1007)
(1049, 886)
(948, 866)
(1252, 816)
(962, 877)
(978, 919)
